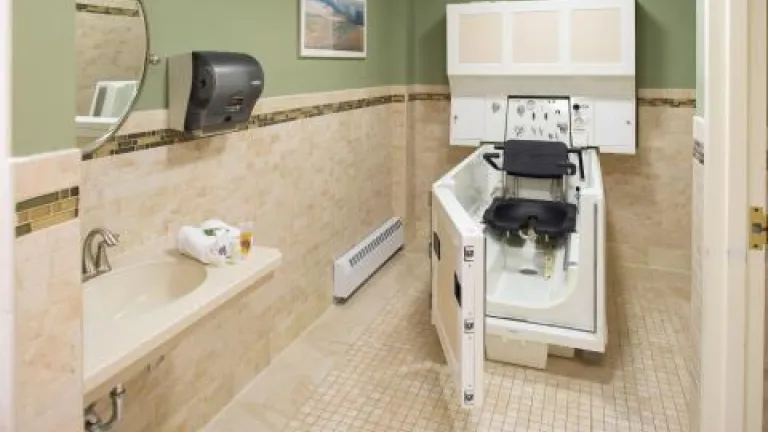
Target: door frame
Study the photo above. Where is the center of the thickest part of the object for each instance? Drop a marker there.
(733, 288)
(757, 95)
(7, 329)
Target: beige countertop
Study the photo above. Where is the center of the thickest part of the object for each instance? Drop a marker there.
(117, 346)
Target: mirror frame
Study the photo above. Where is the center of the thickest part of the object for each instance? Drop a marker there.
(148, 60)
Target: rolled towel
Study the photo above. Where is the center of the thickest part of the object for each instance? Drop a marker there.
(213, 226)
(208, 249)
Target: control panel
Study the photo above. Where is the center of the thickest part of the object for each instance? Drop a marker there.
(582, 114)
(539, 119)
(577, 121)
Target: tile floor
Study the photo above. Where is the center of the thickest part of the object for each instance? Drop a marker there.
(375, 364)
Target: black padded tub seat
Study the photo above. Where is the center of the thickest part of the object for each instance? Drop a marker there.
(553, 218)
(535, 159)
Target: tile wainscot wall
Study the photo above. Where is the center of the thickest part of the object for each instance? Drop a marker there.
(315, 173)
(48, 296)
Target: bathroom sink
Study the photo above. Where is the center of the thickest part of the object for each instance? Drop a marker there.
(140, 289)
(133, 313)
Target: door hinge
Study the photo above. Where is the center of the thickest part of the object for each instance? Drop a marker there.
(758, 228)
(469, 254)
(469, 326)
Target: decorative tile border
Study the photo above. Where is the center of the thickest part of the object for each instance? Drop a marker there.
(130, 143)
(159, 138)
(667, 102)
(652, 102)
(698, 152)
(107, 10)
(412, 97)
(47, 210)
(277, 117)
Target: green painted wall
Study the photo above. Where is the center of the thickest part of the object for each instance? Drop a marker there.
(700, 97)
(269, 30)
(427, 60)
(406, 44)
(665, 43)
(43, 95)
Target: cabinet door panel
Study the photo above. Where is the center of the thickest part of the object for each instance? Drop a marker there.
(467, 119)
(476, 38)
(615, 125)
(601, 37)
(535, 37)
(480, 38)
(596, 36)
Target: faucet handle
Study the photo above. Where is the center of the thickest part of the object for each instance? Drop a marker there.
(111, 238)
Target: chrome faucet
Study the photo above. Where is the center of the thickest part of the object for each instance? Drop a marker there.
(98, 264)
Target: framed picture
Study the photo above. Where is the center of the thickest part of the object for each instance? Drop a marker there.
(334, 28)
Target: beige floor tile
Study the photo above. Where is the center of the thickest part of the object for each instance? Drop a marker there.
(244, 417)
(375, 364)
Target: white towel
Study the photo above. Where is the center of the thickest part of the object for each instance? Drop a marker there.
(215, 225)
(208, 249)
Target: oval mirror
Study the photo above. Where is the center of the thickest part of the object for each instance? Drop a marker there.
(112, 42)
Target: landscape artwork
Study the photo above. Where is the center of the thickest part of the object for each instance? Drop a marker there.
(333, 28)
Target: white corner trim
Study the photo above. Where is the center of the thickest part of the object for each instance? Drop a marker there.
(699, 129)
(725, 209)
(7, 321)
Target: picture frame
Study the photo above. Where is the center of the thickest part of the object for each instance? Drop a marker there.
(334, 28)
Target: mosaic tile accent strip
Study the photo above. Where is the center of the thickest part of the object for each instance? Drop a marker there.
(698, 152)
(653, 102)
(47, 210)
(277, 117)
(412, 97)
(159, 138)
(667, 102)
(107, 10)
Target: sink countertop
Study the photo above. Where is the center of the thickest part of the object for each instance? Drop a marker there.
(113, 346)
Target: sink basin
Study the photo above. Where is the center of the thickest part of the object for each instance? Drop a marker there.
(140, 289)
(132, 313)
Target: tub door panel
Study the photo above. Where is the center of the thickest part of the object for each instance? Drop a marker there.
(458, 293)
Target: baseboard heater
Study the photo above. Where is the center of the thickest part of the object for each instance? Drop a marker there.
(356, 266)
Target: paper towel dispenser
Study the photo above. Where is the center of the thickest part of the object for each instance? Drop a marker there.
(211, 92)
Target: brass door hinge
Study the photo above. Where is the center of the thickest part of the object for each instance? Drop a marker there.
(758, 228)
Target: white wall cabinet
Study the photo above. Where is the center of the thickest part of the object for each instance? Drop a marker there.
(580, 50)
(542, 37)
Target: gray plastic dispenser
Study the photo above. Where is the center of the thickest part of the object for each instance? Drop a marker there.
(212, 92)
